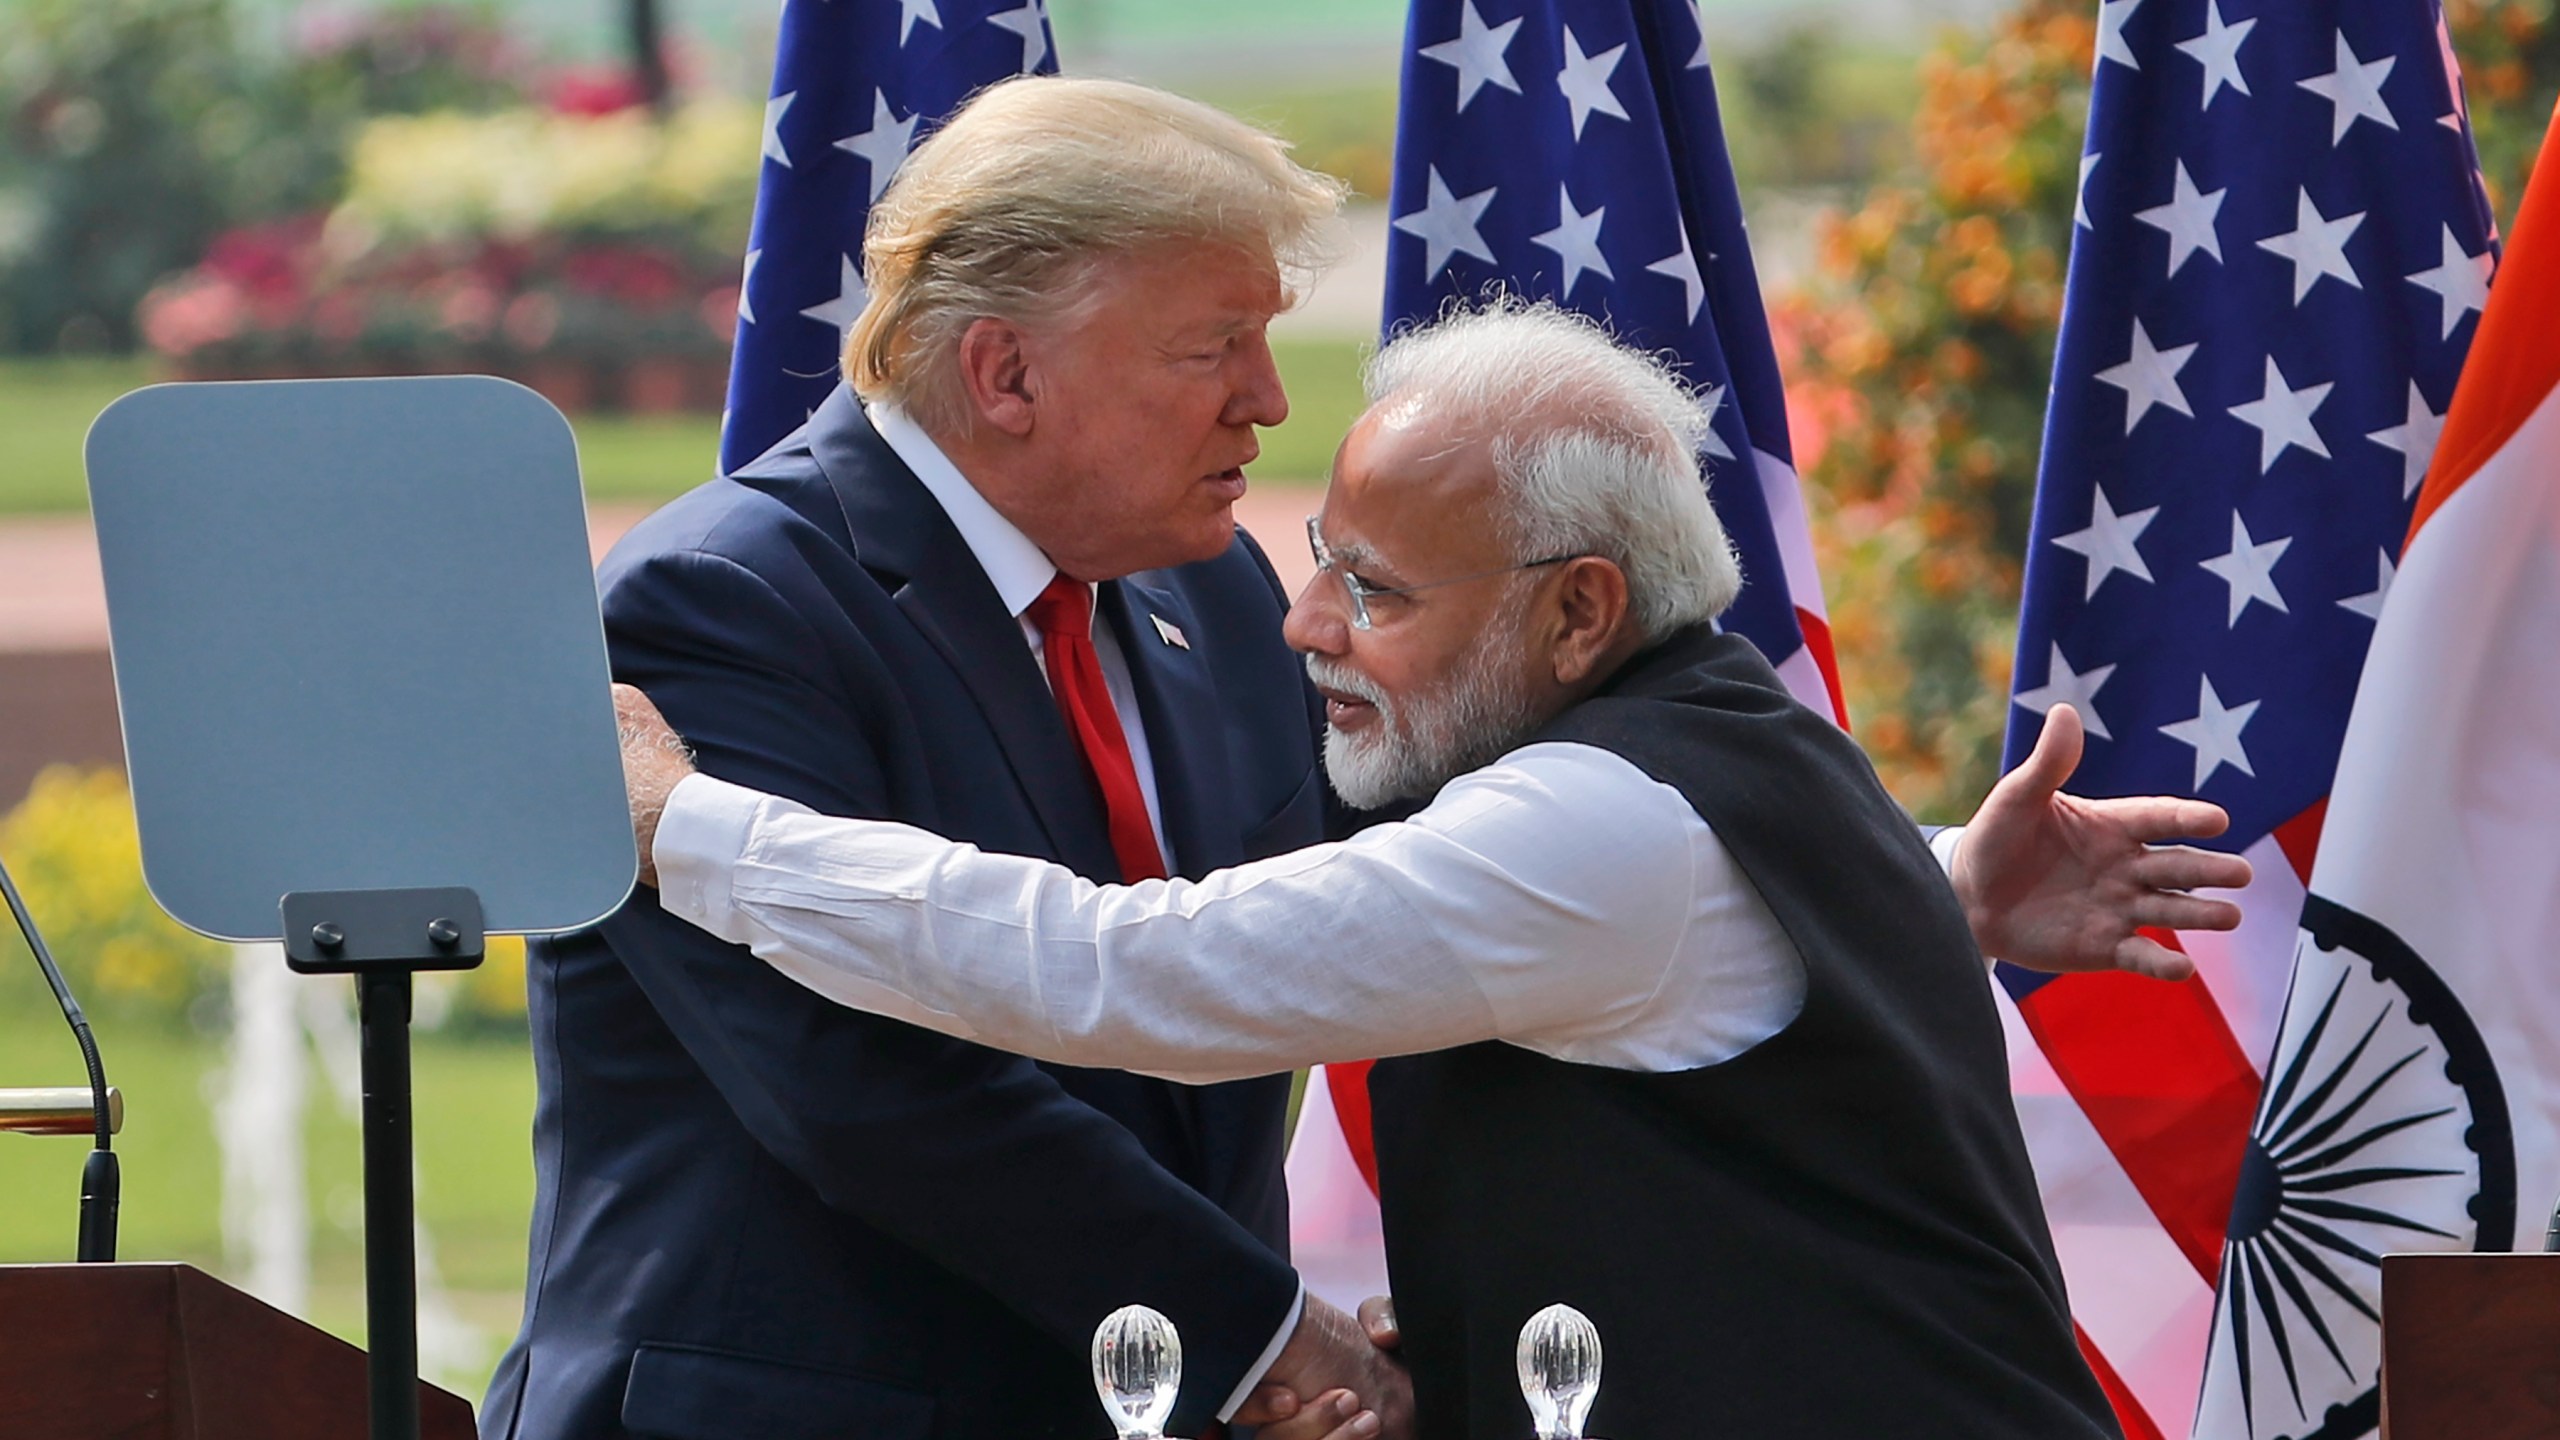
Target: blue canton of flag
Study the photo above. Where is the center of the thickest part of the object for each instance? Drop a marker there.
(1571, 150)
(856, 84)
(2281, 251)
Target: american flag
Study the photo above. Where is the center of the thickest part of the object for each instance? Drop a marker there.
(2282, 250)
(1571, 150)
(856, 84)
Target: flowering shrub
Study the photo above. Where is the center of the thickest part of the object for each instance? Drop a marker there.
(77, 858)
(2510, 53)
(522, 173)
(133, 131)
(1921, 351)
(544, 245)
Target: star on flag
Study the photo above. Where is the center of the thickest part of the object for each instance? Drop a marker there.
(1478, 54)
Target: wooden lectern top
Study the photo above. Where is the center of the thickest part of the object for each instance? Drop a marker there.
(2470, 1347)
(164, 1351)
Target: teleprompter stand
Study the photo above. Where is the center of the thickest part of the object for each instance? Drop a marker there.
(383, 938)
(315, 588)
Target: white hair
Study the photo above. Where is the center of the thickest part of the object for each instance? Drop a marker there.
(1594, 443)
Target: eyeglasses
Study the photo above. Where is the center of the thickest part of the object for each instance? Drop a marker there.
(1362, 592)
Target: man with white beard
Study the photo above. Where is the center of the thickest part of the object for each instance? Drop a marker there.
(1685, 1024)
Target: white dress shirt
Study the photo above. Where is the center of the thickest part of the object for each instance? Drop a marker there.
(1020, 571)
(1559, 899)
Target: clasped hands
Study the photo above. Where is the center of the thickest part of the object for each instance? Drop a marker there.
(1337, 1378)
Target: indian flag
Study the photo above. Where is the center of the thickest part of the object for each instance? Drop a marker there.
(2414, 1099)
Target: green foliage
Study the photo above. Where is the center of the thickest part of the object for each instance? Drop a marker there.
(1805, 109)
(2510, 53)
(45, 410)
(1323, 381)
(137, 130)
(1926, 345)
(1347, 130)
(125, 119)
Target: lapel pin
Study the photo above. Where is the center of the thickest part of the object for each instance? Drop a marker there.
(1170, 633)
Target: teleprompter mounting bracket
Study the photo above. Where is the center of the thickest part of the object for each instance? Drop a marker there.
(349, 932)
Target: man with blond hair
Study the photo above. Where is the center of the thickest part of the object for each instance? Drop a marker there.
(994, 587)
(1685, 1025)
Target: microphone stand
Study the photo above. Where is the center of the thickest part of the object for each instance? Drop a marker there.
(101, 1184)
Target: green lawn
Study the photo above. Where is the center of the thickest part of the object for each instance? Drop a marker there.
(46, 407)
(474, 1118)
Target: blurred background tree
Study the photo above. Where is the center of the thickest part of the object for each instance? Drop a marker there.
(139, 130)
(2510, 53)
(1921, 348)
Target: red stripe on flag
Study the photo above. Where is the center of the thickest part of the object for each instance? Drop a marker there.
(2129, 1412)
(1817, 642)
(2299, 837)
(2153, 1065)
(1349, 1084)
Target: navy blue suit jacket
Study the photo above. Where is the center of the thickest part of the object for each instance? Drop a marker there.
(761, 1215)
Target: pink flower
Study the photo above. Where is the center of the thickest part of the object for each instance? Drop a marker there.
(531, 320)
(189, 313)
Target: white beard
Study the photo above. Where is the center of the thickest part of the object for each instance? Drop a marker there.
(1423, 742)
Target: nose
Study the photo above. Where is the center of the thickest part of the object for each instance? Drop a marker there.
(1317, 623)
(1255, 396)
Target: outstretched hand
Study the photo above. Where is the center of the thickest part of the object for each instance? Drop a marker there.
(2057, 883)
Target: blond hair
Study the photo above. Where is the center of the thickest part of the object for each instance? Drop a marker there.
(1006, 210)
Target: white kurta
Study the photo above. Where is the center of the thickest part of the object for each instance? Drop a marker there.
(1559, 899)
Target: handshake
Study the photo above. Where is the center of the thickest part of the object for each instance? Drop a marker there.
(1337, 1378)
(1137, 1368)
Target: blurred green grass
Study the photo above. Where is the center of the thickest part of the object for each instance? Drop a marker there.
(46, 407)
(474, 1113)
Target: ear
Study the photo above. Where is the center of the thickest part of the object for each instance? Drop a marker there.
(1591, 617)
(995, 373)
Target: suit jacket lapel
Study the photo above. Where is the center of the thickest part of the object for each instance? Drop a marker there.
(1178, 702)
(900, 531)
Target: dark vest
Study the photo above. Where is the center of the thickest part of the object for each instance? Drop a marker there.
(1836, 1233)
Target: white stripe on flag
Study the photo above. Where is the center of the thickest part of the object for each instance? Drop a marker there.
(1784, 495)
(1805, 682)
(2249, 969)
(2132, 1290)
(1334, 1235)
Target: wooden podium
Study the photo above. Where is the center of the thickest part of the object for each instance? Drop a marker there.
(2470, 1347)
(167, 1352)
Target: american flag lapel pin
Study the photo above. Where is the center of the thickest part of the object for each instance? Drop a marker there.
(1170, 633)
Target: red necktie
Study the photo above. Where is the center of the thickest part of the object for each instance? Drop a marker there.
(1064, 617)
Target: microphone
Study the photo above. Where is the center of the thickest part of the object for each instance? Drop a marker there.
(101, 1184)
